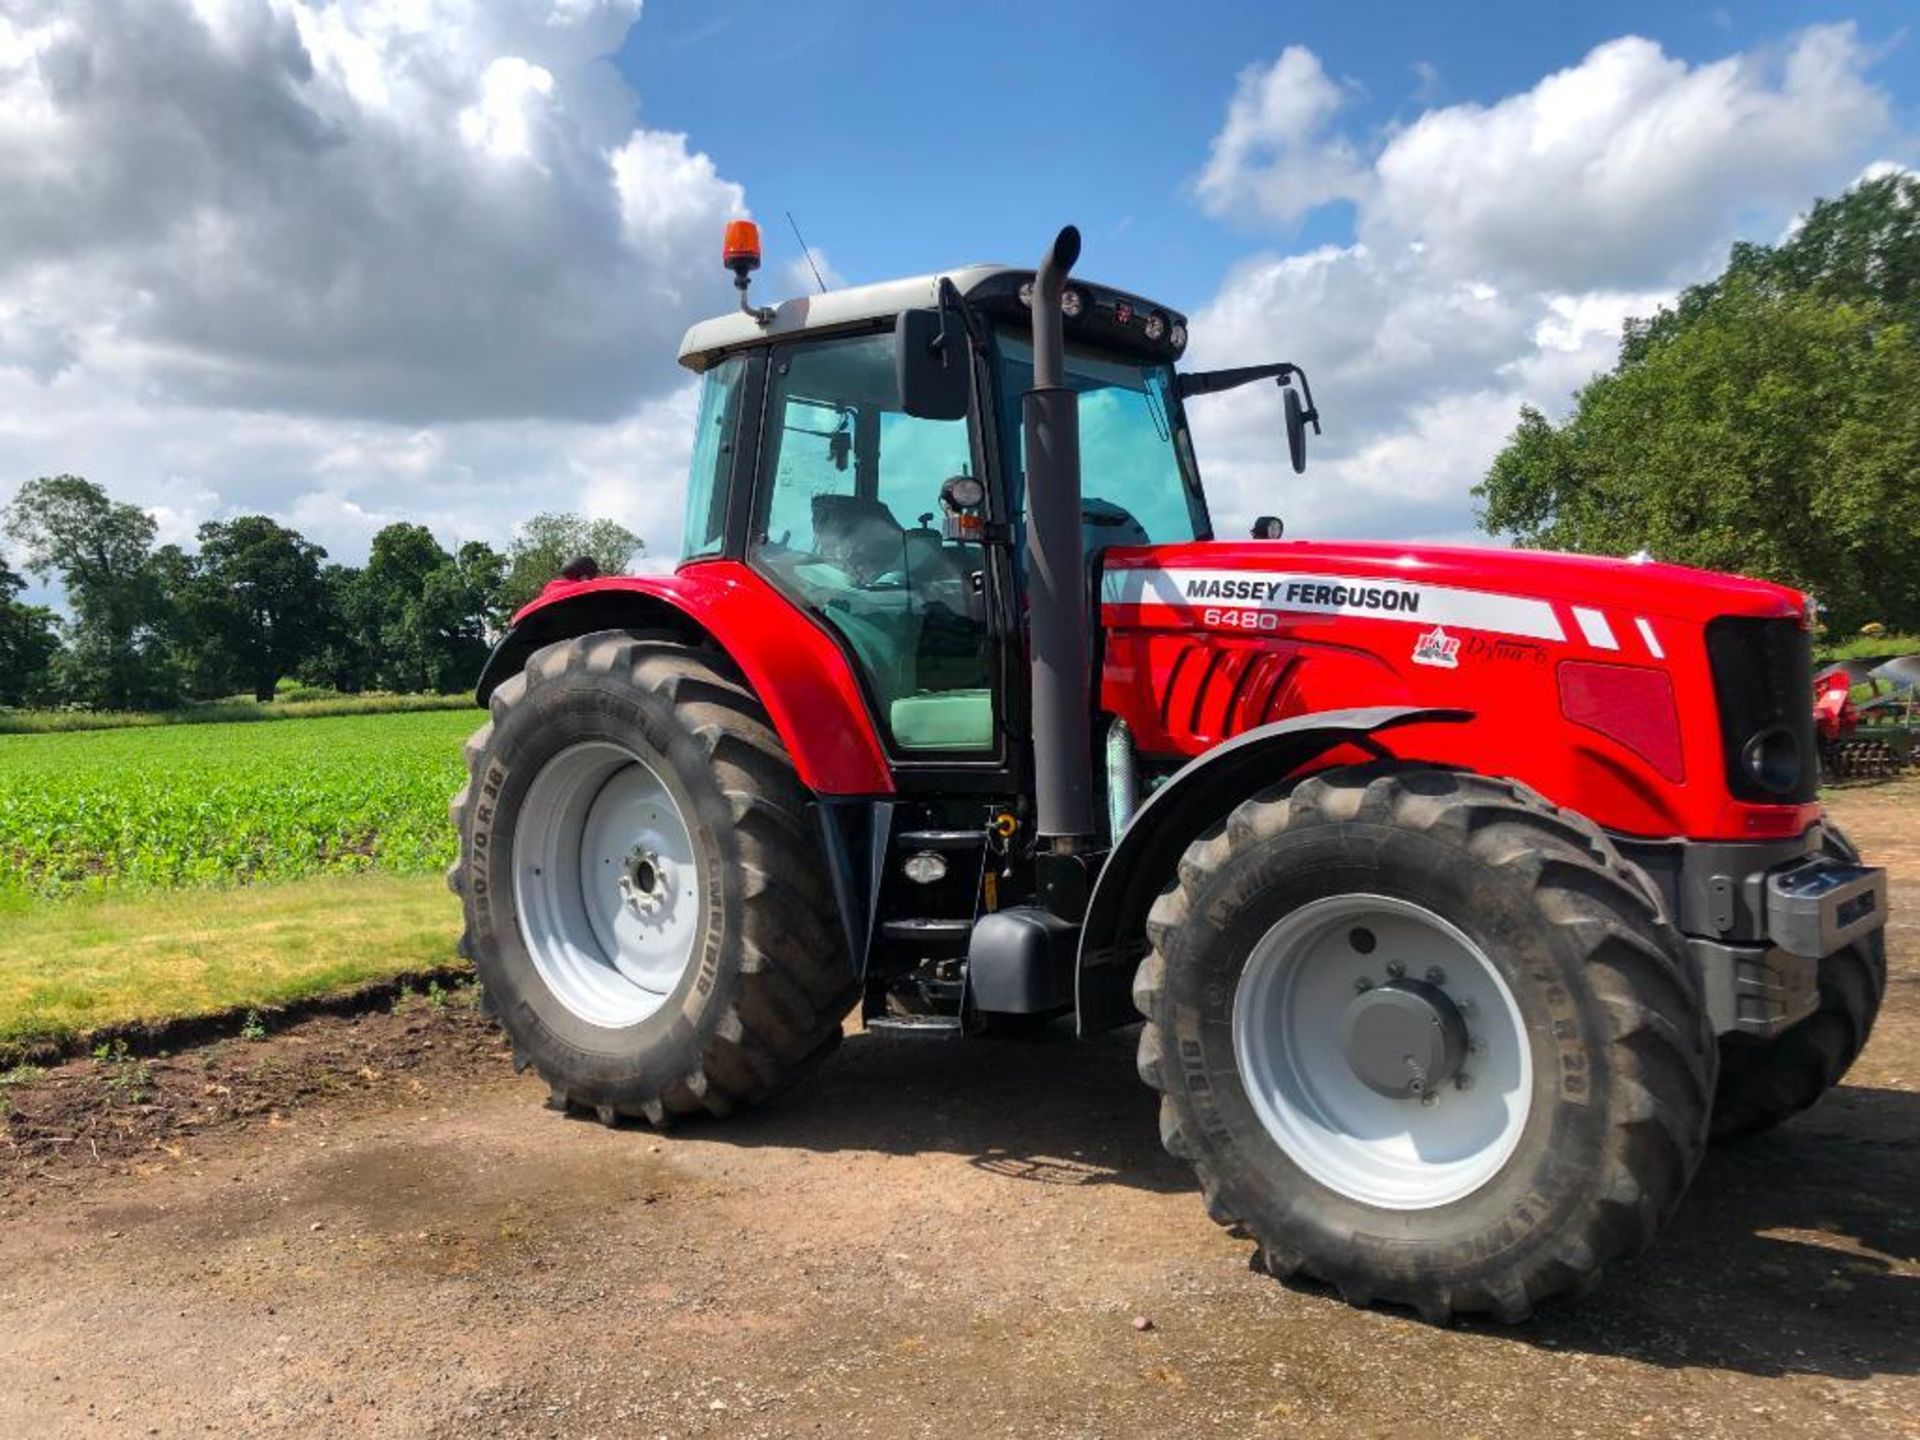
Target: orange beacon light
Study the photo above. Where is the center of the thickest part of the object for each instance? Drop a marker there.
(741, 248)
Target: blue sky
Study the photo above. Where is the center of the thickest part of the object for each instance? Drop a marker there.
(944, 108)
(353, 261)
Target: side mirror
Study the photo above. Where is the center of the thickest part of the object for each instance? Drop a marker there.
(930, 360)
(1296, 432)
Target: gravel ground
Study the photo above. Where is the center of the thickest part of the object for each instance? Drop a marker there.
(370, 1226)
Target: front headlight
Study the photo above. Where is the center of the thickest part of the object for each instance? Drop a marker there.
(1774, 760)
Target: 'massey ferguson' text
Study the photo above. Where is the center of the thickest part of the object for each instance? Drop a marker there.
(1306, 593)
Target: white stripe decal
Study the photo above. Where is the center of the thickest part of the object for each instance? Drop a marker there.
(1373, 597)
(1646, 634)
(1594, 626)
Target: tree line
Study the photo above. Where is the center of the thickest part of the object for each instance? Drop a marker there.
(153, 626)
(1767, 422)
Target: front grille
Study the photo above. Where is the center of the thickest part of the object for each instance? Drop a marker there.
(1763, 680)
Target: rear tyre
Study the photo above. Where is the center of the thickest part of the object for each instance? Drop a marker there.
(1424, 1038)
(1763, 1082)
(644, 894)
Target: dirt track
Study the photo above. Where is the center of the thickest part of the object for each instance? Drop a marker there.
(372, 1227)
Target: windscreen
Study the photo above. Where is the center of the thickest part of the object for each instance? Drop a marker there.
(1138, 482)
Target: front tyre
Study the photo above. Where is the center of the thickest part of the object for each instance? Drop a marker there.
(1425, 1038)
(644, 894)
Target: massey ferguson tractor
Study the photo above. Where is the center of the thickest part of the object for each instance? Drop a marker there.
(1463, 893)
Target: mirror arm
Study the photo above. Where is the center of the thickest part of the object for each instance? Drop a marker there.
(1211, 382)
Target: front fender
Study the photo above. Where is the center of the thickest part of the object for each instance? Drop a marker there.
(795, 669)
(1113, 937)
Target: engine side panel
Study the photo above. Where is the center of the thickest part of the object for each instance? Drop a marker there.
(1566, 663)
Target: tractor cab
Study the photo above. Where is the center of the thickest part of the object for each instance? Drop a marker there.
(864, 451)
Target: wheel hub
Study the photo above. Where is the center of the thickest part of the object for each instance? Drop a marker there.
(646, 883)
(1404, 1039)
(606, 883)
(1329, 1049)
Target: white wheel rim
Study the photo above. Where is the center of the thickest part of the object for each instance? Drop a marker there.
(605, 883)
(1289, 1014)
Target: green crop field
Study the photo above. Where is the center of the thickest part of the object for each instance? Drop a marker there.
(154, 873)
(198, 805)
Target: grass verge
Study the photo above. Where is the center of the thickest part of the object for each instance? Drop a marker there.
(223, 712)
(70, 969)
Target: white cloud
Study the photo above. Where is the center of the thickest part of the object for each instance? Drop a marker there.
(1621, 169)
(1273, 159)
(347, 262)
(513, 100)
(422, 211)
(1498, 250)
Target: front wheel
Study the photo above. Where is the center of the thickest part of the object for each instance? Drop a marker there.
(645, 898)
(1425, 1038)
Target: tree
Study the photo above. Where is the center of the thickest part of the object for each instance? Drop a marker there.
(1861, 248)
(199, 664)
(385, 605)
(102, 551)
(454, 616)
(28, 643)
(340, 656)
(257, 596)
(545, 544)
(424, 614)
(1768, 423)
(483, 571)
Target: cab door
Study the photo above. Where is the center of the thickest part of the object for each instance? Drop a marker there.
(847, 521)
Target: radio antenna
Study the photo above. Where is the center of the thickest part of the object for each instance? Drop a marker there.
(806, 250)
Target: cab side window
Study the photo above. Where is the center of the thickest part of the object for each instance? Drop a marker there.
(714, 439)
(846, 521)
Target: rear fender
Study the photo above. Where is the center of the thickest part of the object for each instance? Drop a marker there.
(1113, 938)
(797, 672)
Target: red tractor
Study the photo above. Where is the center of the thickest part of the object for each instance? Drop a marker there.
(1463, 892)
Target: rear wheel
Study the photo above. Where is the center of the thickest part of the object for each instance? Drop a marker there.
(1763, 1082)
(644, 895)
(1424, 1038)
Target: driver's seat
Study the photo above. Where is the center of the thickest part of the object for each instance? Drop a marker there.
(857, 532)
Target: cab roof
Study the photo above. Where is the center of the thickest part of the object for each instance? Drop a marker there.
(707, 340)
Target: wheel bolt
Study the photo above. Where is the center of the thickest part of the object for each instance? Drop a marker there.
(1476, 1046)
(1463, 1082)
(1396, 969)
(1436, 976)
(1361, 985)
(1429, 1098)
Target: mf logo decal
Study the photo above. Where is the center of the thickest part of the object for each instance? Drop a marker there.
(1436, 647)
(1186, 590)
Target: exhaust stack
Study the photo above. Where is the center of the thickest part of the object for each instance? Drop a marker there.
(1057, 573)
